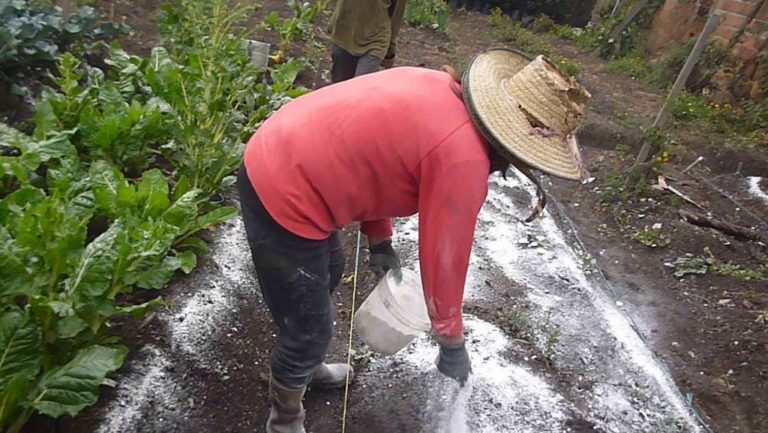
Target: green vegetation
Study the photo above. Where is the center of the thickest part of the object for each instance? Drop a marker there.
(297, 28)
(746, 125)
(513, 32)
(427, 14)
(631, 65)
(109, 192)
(740, 272)
(651, 237)
(34, 34)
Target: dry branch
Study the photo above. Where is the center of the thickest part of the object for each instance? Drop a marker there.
(739, 232)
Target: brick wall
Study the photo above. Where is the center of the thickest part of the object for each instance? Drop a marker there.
(735, 13)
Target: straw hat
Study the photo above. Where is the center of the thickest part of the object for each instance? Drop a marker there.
(527, 109)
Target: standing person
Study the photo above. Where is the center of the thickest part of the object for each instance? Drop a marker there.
(391, 144)
(363, 34)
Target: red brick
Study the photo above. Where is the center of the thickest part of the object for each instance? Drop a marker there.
(737, 7)
(723, 33)
(762, 14)
(745, 52)
(732, 20)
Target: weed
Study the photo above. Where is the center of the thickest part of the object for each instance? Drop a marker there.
(543, 24)
(509, 30)
(362, 356)
(632, 65)
(738, 271)
(622, 150)
(427, 14)
(651, 237)
(568, 67)
(516, 322)
(297, 27)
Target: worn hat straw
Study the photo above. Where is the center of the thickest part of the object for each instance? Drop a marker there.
(528, 109)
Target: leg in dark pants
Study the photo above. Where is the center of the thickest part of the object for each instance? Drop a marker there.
(296, 276)
(346, 65)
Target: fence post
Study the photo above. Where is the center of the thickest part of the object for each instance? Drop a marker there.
(682, 77)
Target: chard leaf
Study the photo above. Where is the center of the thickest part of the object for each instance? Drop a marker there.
(108, 184)
(21, 347)
(11, 396)
(188, 260)
(158, 276)
(14, 204)
(93, 274)
(192, 243)
(140, 310)
(183, 186)
(216, 216)
(14, 277)
(70, 326)
(183, 211)
(153, 192)
(70, 388)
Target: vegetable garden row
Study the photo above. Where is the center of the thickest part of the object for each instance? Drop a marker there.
(123, 166)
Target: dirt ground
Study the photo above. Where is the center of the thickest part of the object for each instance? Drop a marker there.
(704, 327)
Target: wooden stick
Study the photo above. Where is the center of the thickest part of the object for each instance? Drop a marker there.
(682, 77)
(628, 18)
(665, 187)
(739, 232)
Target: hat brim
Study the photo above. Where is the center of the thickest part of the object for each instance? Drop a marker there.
(499, 117)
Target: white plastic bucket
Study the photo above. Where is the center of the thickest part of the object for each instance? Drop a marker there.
(394, 313)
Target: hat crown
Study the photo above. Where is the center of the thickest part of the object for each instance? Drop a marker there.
(547, 96)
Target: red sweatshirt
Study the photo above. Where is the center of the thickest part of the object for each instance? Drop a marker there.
(383, 145)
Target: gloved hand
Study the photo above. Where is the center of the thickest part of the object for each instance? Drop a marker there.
(453, 362)
(388, 62)
(383, 258)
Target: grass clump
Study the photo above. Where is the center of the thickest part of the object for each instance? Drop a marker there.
(632, 66)
(427, 14)
(513, 32)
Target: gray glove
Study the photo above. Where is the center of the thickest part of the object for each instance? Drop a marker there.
(454, 363)
(383, 258)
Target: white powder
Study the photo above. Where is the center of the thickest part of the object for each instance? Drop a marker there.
(755, 190)
(140, 393)
(501, 397)
(206, 314)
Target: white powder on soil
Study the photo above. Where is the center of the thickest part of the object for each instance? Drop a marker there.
(755, 190)
(205, 314)
(139, 393)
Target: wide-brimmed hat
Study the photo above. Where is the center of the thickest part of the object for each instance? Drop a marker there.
(527, 109)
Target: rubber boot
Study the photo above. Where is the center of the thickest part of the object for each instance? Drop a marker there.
(286, 414)
(330, 376)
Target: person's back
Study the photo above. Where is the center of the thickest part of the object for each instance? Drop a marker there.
(361, 156)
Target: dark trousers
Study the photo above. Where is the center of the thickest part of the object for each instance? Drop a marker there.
(346, 65)
(296, 276)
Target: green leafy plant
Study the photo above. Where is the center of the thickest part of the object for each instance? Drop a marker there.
(61, 281)
(651, 237)
(509, 30)
(427, 14)
(212, 85)
(298, 27)
(31, 33)
(740, 272)
(632, 65)
(569, 67)
(109, 194)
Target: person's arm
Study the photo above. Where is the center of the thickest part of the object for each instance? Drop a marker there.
(396, 14)
(451, 192)
(378, 230)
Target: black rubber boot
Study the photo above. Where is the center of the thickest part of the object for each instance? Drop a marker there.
(286, 414)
